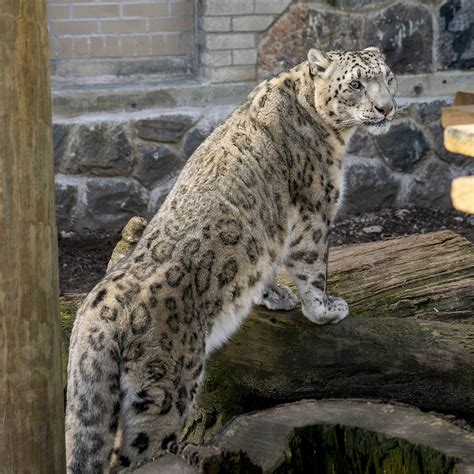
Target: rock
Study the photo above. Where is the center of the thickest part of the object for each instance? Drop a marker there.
(204, 128)
(426, 113)
(456, 34)
(166, 128)
(404, 32)
(373, 229)
(100, 149)
(301, 28)
(66, 199)
(60, 136)
(355, 5)
(403, 147)
(158, 195)
(110, 203)
(194, 139)
(156, 164)
(430, 186)
(362, 144)
(369, 186)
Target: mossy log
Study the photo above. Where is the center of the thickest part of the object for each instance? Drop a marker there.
(409, 338)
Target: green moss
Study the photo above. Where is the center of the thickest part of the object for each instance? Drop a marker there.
(335, 449)
(67, 309)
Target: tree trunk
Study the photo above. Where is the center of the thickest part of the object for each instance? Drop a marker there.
(409, 338)
(31, 395)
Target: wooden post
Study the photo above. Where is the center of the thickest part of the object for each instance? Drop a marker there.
(31, 396)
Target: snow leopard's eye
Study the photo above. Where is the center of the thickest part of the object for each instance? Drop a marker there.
(356, 85)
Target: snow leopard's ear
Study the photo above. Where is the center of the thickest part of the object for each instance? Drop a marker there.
(373, 49)
(318, 61)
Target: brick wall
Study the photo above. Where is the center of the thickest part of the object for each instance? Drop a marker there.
(84, 29)
(228, 32)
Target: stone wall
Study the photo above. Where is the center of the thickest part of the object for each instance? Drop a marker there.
(110, 169)
(119, 149)
(246, 39)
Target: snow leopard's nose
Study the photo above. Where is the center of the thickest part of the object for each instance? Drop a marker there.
(385, 110)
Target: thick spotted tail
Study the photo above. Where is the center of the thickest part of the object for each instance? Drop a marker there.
(93, 398)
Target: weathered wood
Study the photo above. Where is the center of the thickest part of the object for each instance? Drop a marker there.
(31, 392)
(462, 194)
(355, 436)
(464, 98)
(460, 139)
(463, 114)
(409, 337)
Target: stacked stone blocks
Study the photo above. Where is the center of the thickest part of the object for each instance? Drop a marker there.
(109, 170)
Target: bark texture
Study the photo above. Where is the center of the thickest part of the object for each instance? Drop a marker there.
(31, 395)
(409, 338)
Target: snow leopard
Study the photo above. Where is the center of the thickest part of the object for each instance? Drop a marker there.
(259, 193)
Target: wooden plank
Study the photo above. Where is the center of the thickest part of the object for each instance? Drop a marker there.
(462, 194)
(460, 139)
(457, 115)
(31, 391)
(464, 98)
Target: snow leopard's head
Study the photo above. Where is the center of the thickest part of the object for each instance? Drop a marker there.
(354, 88)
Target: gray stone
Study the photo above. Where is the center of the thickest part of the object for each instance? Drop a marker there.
(355, 4)
(193, 139)
(159, 194)
(60, 135)
(456, 34)
(369, 186)
(431, 186)
(427, 112)
(204, 128)
(110, 203)
(156, 164)
(166, 128)
(362, 144)
(66, 200)
(100, 149)
(302, 27)
(403, 147)
(404, 33)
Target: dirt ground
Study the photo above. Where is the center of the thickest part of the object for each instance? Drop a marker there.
(82, 262)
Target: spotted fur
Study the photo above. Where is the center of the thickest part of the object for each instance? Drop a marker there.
(260, 192)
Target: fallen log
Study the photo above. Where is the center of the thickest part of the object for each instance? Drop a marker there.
(409, 338)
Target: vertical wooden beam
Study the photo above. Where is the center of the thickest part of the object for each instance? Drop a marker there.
(31, 396)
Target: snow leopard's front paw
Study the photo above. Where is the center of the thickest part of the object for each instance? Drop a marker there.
(278, 297)
(337, 307)
(318, 312)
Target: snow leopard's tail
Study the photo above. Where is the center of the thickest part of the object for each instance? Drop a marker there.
(93, 392)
